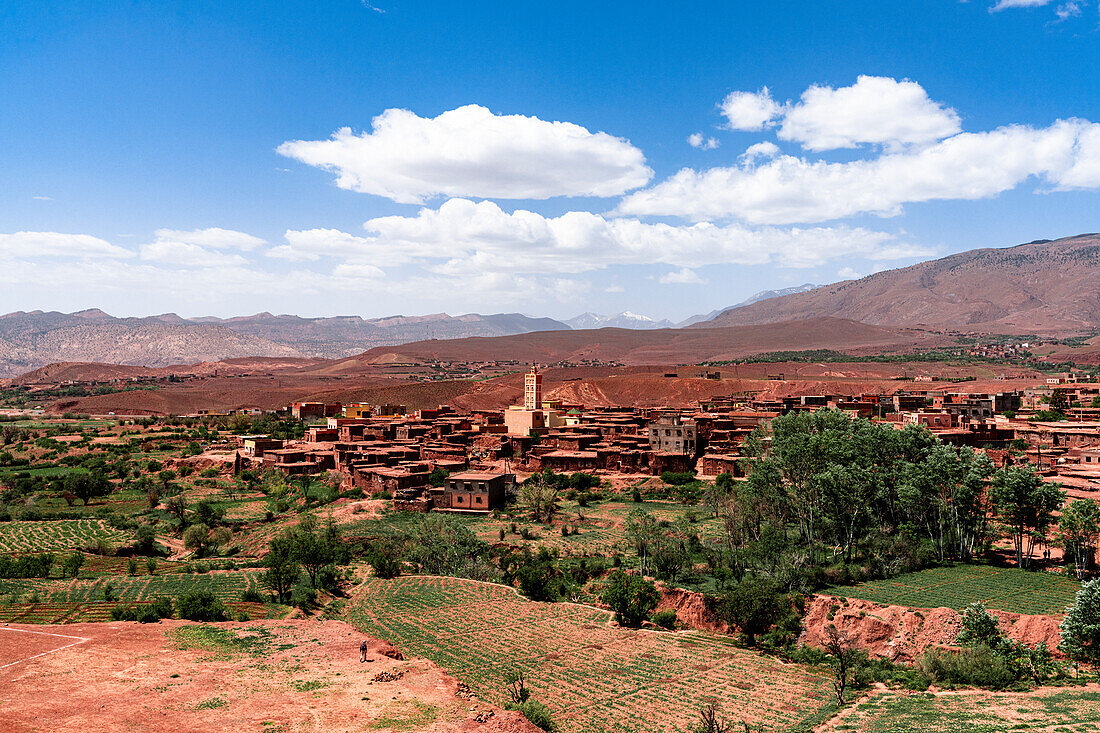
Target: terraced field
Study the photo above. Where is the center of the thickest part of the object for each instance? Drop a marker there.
(593, 676)
(1006, 589)
(62, 534)
(100, 611)
(1068, 710)
(227, 585)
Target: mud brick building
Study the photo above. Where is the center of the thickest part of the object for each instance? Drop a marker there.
(473, 491)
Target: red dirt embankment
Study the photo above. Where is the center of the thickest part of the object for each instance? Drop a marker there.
(901, 634)
(898, 633)
(691, 609)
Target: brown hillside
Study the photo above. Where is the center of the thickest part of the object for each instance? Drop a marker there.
(1037, 288)
(667, 346)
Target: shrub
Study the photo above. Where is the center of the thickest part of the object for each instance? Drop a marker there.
(304, 598)
(976, 665)
(132, 566)
(674, 478)
(536, 713)
(200, 605)
(665, 619)
(146, 613)
(251, 595)
(151, 565)
(72, 564)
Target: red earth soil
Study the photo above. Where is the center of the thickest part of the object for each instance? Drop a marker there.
(306, 676)
(901, 634)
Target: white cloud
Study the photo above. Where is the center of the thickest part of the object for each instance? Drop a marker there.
(469, 151)
(213, 237)
(847, 273)
(463, 238)
(750, 110)
(1068, 10)
(614, 289)
(1006, 4)
(698, 140)
(199, 247)
(967, 166)
(683, 276)
(875, 110)
(759, 151)
(42, 198)
(25, 245)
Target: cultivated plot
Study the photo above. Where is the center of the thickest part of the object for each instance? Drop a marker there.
(956, 586)
(593, 676)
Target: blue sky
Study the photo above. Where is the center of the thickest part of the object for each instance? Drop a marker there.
(188, 156)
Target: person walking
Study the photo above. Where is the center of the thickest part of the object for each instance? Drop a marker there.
(363, 651)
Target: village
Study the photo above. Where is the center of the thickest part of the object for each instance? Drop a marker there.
(392, 451)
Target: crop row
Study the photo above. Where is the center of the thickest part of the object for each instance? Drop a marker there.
(100, 611)
(594, 676)
(227, 585)
(1005, 589)
(62, 534)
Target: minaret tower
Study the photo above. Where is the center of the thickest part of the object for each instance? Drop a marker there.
(532, 389)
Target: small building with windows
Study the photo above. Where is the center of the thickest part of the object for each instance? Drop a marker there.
(475, 491)
(672, 434)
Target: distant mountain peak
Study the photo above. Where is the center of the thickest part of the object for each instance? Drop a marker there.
(626, 319)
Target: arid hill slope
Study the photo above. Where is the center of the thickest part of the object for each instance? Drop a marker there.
(668, 346)
(1045, 287)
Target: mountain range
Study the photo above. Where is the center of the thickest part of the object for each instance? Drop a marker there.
(1043, 287)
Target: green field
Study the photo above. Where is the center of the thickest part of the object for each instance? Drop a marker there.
(62, 534)
(227, 585)
(955, 586)
(1047, 710)
(593, 676)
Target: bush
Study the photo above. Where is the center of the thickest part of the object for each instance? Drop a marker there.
(976, 665)
(132, 566)
(251, 595)
(674, 478)
(753, 605)
(665, 619)
(200, 605)
(72, 564)
(146, 613)
(304, 598)
(536, 713)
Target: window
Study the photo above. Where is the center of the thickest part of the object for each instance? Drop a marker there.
(477, 500)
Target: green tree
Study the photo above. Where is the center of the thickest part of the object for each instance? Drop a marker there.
(1025, 504)
(282, 568)
(86, 486)
(1078, 529)
(752, 606)
(631, 597)
(1081, 627)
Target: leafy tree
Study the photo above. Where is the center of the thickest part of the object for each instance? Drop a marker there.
(752, 606)
(1025, 505)
(282, 568)
(631, 597)
(539, 494)
(943, 495)
(384, 557)
(1079, 528)
(438, 476)
(86, 486)
(1081, 627)
(71, 566)
(442, 545)
(209, 513)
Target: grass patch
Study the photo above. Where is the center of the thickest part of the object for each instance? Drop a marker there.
(409, 715)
